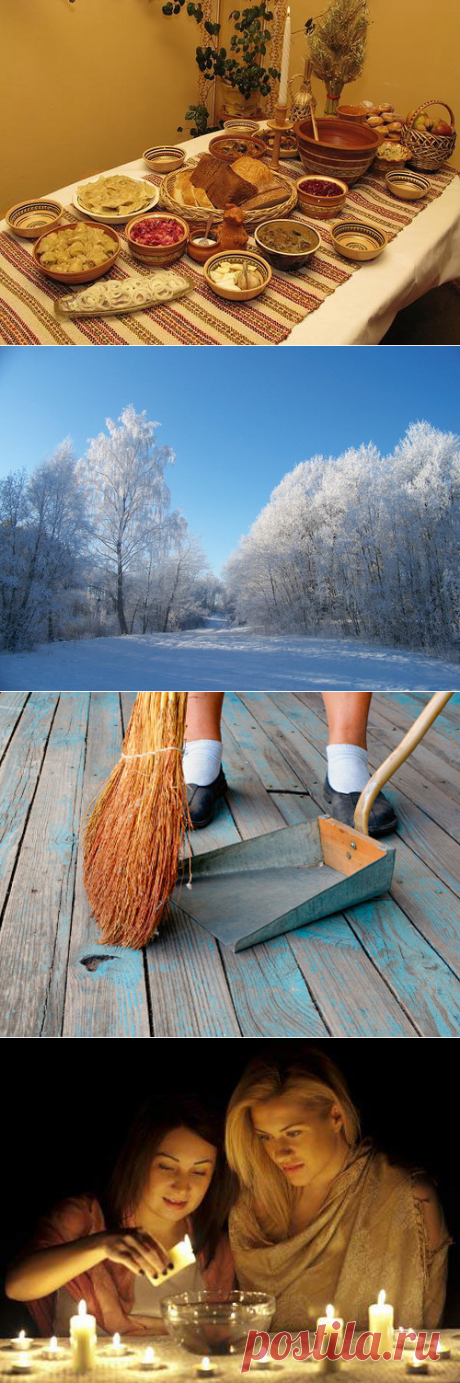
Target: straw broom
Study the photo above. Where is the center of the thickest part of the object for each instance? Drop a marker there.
(134, 835)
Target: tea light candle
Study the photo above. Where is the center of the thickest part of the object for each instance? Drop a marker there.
(381, 1320)
(21, 1364)
(409, 1344)
(83, 1339)
(264, 1363)
(52, 1350)
(116, 1349)
(417, 1366)
(285, 56)
(148, 1359)
(443, 1351)
(22, 1341)
(205, 1369)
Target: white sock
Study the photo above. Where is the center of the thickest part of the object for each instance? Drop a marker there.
(201, 761)
(347, 768)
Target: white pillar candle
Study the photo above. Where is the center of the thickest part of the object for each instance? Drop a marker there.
(327, 1321)
(381, 1320)
(285, 57)
(22, 1341)
(83, 1339)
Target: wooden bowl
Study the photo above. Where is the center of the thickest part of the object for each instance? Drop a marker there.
(286, 260)
(357, 240)
(240, 257)
(85, 275)
(157, 256)
(344, 149)
(32, 219)
(201, 253)
(408, 186)
(165, 158)
(231, 146)
(354, 113)
(313, 204)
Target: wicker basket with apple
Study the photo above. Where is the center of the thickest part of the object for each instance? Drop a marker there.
(430, 141)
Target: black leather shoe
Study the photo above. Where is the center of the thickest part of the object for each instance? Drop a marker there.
(382, 819)
(201, 801)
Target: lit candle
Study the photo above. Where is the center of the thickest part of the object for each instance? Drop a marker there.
(148, 1358)
(417, 1366)
(117, 1348)
(52, 1350)
(381, 1320)
(205, 1369)
(285, 56)
(181, 1256)
(443, 1351)
(83, 1339)
(22, 1341)
(21, 1364)
(327, 1322)
(408, 1343)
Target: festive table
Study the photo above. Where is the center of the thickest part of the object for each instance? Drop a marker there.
(179, 1365)
(330, 302)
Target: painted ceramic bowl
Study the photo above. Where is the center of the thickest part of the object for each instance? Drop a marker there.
(344, 149)
(357, 240)
(301, 242)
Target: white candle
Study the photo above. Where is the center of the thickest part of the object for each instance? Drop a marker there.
(148, 1359)
(21, 1364)
(52, 1351)
(22, 1341)
(181, 1256)
(285, 57)
(327, 1321)
(417, 1366)
(83, 1339)
(381, 1320)
(117, 1348)
(205, 1368)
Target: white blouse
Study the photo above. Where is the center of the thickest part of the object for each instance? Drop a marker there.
(147, 1297)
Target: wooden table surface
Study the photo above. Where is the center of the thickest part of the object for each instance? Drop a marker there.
(389, 967)
(177, 1364)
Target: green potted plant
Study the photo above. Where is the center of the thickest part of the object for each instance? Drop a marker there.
(241, 68)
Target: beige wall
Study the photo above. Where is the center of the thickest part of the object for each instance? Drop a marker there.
(87, 86)
(91, 84)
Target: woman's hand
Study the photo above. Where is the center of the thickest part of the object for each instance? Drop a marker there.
(138, 1251)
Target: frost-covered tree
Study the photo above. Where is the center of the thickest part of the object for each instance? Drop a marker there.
(123, 473)
(362, 544)
(43, 532)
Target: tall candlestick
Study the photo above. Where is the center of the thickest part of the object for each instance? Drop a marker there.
(285, 56)
(381, 1320)
(83, 1339)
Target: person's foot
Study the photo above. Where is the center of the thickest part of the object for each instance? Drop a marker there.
(382, 819)
(202, 800)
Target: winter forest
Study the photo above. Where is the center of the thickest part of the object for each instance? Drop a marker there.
(361, 545)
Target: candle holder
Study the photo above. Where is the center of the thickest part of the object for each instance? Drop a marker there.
(279, 126)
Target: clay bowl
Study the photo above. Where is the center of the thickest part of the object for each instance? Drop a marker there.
(201, 253)
(354, 113)
(241, 127)
(344, 149)
(33, 219)
(287, 261)
(165, 158)
(313, 204)
(85, 275)
(231, 146)
(157, 256)
(358, 241)
(288, 145)
(408, 186)
(239, 295)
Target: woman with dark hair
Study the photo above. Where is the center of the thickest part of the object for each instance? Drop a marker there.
(171, 1179)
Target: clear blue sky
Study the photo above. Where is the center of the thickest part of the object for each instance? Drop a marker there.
(238, 419)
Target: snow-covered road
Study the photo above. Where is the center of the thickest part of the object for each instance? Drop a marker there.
(216, 659)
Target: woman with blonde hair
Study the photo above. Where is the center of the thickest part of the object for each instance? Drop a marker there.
(323, 1216)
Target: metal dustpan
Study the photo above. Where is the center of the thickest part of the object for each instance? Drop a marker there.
(260, 888)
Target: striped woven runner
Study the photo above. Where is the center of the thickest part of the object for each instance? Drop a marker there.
(27, 298)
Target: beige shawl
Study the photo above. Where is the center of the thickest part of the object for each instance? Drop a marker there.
(369, 1234)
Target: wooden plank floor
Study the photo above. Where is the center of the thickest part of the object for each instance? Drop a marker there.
(390, 967)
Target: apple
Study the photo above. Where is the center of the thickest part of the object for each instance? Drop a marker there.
(442, 128)
(423, 123)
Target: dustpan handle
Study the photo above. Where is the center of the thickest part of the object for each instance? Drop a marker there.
(397, 757)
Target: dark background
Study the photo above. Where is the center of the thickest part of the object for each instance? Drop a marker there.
(65, 1109)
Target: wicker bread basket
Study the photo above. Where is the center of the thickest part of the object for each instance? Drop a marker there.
(428, 151)
(199, 215)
